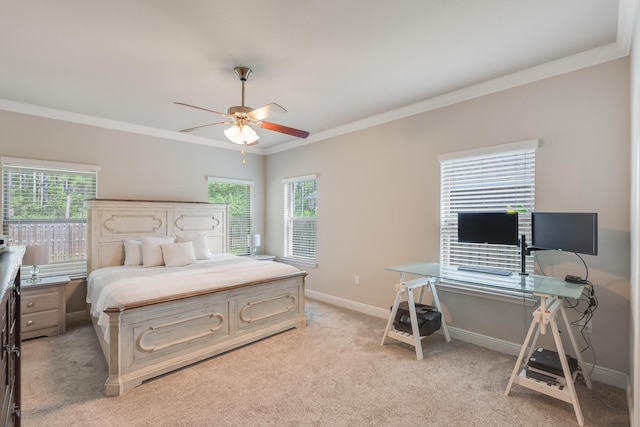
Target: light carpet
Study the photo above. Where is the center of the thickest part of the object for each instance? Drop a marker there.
(331, 373)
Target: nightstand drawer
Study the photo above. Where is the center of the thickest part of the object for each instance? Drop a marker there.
(39, 302)
(35, 321)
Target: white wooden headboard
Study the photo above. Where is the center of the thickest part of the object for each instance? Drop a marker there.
(112, 221)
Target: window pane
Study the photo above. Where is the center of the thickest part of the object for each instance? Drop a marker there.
(238, 198)
(304, 193)
(45, 205)
(300, 211)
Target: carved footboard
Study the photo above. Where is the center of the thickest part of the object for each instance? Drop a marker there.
(147, 341)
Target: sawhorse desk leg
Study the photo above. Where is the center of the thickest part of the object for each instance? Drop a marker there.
(546, 314)
(413, 339)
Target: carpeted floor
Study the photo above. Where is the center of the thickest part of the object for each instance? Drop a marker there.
(331, 373)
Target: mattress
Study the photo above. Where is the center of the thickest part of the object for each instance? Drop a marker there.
(121, 285)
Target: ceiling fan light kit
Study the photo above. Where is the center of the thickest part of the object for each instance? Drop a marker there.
(242, 135)
(241, 116)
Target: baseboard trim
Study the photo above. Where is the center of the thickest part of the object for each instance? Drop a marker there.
(76, 317)
(605, 375)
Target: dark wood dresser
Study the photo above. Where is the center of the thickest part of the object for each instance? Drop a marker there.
(10, 261)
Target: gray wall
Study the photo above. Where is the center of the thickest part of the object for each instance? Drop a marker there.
(378, 197)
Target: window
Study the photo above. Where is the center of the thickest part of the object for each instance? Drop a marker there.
(300, 209)
(44, 203)
(494, 179)
(237, 194)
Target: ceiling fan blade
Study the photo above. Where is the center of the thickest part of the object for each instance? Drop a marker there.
(204, 126)
(283, 129)
(199, 108)
(264, 112)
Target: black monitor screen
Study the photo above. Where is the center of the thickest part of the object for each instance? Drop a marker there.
(565, 231)
(500, 228)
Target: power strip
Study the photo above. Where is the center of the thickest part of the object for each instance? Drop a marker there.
(573, 279)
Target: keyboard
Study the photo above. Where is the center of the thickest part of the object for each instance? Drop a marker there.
(486, 270)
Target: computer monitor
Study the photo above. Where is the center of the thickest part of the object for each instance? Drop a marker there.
(498, 228)
(565, 231)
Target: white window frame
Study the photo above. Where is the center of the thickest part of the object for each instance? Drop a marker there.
(304, 254)
(497, 178)
(237, 242)
(75, 268)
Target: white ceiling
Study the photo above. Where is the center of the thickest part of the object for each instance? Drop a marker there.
(335, 65)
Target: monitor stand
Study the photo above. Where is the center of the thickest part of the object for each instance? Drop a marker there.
(523, 253)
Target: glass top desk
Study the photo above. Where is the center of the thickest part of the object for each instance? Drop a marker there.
(551, 291)
(537, 285)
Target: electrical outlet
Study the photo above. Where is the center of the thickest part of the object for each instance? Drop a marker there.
(356, 280)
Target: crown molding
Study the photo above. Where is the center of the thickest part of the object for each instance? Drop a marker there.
(561, 66)
(627, 20)
(85, 119)
(565, 65)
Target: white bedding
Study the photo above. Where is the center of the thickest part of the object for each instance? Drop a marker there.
(121, 285)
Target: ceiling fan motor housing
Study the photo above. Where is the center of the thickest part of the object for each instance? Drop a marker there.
(239, 110)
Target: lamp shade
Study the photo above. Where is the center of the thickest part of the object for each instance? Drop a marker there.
(36, 255)
(241, 135)
(249, 135)
(233, 133)
(253, 240)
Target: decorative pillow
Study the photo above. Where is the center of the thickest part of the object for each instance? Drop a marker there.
(132, 252)
(178, 254)
(200, 245)
(151, 250)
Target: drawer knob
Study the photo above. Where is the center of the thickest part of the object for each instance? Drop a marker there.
(31, 304)
(29, 322)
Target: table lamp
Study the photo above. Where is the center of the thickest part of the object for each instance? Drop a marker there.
(253, 241)
(35, 255)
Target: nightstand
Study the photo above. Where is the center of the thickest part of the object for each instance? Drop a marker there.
(43, 307)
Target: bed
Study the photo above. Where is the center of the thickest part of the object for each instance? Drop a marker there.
(153, 318)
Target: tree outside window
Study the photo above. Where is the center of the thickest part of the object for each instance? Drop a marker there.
(237, 195)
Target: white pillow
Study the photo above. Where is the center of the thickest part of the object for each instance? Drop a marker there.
(178, 254)
(200, 245)
(132, 252)
(151, 250)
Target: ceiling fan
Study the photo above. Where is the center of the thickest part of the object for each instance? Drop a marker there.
(241, 116)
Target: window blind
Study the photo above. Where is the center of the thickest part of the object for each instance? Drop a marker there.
(300, 228)
(44, 203)
(498, 180)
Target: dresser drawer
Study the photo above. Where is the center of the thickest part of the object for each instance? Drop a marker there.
(41, 301)
(35, 321)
